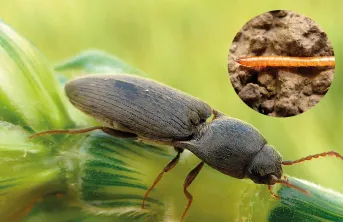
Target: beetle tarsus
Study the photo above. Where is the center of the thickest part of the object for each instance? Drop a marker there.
(189, 179)
(270, 188)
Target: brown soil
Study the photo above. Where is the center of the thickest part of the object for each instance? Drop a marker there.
(280, 91)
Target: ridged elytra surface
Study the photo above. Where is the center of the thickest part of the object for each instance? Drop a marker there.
(138, 105)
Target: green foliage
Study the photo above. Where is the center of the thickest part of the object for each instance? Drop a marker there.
(321, 205)
(30, 101)
(29, 93)
(93, 61)
(28, 172)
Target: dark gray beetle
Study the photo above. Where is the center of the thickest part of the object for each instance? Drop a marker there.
(131, 106)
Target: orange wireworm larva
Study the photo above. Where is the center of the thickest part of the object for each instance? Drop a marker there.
(286, 61)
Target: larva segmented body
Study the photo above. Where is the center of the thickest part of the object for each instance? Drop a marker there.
(285, 61)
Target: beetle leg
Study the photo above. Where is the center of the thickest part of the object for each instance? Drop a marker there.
(189, 179)
(68, 131)
(110, 131)
(330, 153)
(167, 168)
(270, 188)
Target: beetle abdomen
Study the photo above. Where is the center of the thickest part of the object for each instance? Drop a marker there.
(145, 107)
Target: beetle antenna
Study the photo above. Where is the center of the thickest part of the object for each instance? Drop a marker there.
(330, 153)
(274, 180)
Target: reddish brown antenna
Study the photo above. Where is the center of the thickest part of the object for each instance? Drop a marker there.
(310, 157)
(291, 162)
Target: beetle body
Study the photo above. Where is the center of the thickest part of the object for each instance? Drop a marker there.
(137, 105)
(131, 106)
(159, 113)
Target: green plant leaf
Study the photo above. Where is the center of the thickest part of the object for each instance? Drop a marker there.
(29, 92)
(28, 172)
(321, 205)
(95, 61)
(30, 100)
(112, 175)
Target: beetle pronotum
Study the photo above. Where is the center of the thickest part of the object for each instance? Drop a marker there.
(136, 107)
(285, 61)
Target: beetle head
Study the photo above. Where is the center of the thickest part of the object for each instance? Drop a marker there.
(265, 167)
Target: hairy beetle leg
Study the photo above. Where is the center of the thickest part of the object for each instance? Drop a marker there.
(189, 179)
(167, 168)
(310, 157)
(110, 131)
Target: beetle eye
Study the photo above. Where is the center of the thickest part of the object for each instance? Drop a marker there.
(258, 178)
(256, 173)
(202, 121)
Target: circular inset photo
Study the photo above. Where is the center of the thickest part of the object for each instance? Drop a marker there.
(281, 63)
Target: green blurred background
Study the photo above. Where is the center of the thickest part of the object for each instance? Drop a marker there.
(185, 44)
